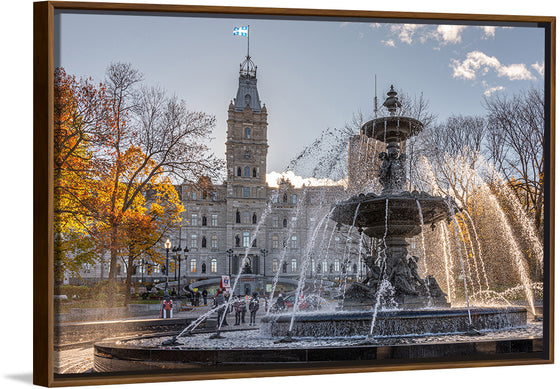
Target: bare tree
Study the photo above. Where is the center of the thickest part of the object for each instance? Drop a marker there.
(516, 146)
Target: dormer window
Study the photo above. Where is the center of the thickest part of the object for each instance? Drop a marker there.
(248, 130)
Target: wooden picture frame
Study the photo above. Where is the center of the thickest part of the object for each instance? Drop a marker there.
(43, 197)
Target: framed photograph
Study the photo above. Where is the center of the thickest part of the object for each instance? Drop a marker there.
(228, 192)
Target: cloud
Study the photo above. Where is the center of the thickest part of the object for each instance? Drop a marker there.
(405, 32)
(272, 179)
(343, 24)
(488, 31)
(493, 89)
(389, 42)
(448, 33)
(539, 67)
(373, 26)
(476, 62)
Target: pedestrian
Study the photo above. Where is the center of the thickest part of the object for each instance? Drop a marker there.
(219, 302)
(205, 296)
(191, 296)
(197, 297)
(253, 308)
(243, 308)
(237, 308)
(280, 302)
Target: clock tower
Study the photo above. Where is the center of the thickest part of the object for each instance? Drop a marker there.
(246, 145)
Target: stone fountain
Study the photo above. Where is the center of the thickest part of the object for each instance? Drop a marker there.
(393, 216)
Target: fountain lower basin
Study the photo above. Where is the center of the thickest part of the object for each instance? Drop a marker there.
(395, 323)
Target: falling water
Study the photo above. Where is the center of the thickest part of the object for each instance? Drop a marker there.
(430, 303)
(456, 224)
(448, 269)
(465, 212)
(346, 259)
(284, 251)
(384, 285)
(301, 281)
(472, 253)
(263, 217)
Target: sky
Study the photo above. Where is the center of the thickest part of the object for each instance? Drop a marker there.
(312, 74)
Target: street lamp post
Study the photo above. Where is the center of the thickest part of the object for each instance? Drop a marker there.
(264, 252)
(229, 253)
(167, 246)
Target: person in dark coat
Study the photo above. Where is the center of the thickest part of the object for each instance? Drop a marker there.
(205, 296)
(243, 308)
(280, 302)
(253, 308)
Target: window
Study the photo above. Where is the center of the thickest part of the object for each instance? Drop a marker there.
(239, 171)
(274, 241)
(246, 192)
(312, 265)
(193, 265)
(194, 219)
(246, 217)
(203, 268)
(413, 243)
(294, 265)
(246, 239)
(203, 243)
(214, 265)
(204, 220)
(293, 242)
(275, 265)
(214, 221)
(214, 242)
(294, 199)
(194, 242)
(254, 172)
(247, 133)
(247, 171)
(336, 265)
(275, 221)
(275, 198)
(237, 241)
(254, 218)
(194, 195)
(215, 196)
(325, 266)
(294, 221)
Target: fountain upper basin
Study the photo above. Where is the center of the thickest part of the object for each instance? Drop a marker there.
(403, 217)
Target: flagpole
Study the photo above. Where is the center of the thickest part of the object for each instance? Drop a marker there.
(248, 27)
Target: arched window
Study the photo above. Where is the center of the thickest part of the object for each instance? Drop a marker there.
(237, 217)
(203, 244)
(204, 220)
(214, 242)
(237, 241)
(254, 218)
(239, 171)
(294, 265)
(214, 265)
(285, 223)
(275, 265)
(246, 239)
(254, 172)
(203, 268)
(294, 199)
(293, 242)
(247, 171)
(193, 265)
(248, 130)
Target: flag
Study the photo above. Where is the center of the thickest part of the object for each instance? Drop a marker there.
(241, 31)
